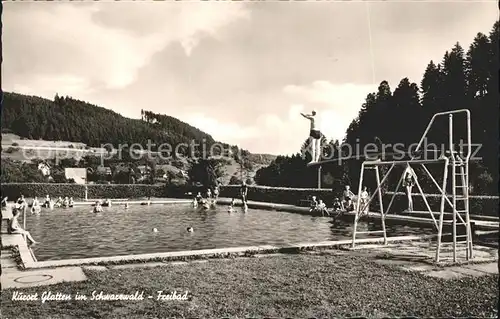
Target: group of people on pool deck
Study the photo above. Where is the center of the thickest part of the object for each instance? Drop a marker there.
(346, 204)
(36, 205)
(211, 198)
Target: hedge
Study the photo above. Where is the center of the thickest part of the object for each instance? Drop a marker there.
(479, 205)
(279, 195)
(77, 191)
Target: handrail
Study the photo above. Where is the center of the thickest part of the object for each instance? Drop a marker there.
(448, 113)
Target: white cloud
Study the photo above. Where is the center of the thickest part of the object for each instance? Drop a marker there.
(67, 38)
(273, 133)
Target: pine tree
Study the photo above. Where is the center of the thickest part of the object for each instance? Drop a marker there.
(477, 66)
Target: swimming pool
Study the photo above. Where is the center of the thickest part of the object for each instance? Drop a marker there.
(79, 233)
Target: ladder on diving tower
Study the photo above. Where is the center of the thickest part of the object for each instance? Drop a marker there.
(460, 212)
(459, 165)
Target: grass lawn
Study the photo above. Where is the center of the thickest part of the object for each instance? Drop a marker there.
(298, 286)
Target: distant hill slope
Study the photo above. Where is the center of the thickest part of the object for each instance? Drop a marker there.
(68, 119)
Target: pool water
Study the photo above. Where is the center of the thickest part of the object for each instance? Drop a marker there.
(79, 233)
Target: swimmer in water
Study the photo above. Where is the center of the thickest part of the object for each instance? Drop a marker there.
(35, 207)
(155, 230)
(21, 201)
(97, 207)
(206, 204)
(216, 192)
(126, 205)
(190, 229)
(71, 202)
(199, 198)
(337, 205)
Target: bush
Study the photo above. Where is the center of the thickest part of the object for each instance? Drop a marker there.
(178, 164)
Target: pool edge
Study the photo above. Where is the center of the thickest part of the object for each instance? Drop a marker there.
(213, 253)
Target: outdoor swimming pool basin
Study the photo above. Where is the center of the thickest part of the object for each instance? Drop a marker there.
(79, 233)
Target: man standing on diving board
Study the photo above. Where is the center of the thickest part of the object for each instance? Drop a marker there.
(314, 137)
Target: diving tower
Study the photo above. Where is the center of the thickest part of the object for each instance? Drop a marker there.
(452, 162)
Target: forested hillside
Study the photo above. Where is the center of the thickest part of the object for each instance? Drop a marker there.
(462, 80)
(69, 119)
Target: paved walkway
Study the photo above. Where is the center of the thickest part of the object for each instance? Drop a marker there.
(13, 277)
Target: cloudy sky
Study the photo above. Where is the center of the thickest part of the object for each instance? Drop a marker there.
(241, 71)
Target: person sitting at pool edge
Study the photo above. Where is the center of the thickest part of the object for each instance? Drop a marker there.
(98, 207)
(15, 228)
(337, 205)
(348, 195)
(314, 203)
(71, 202)
(321, 207)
